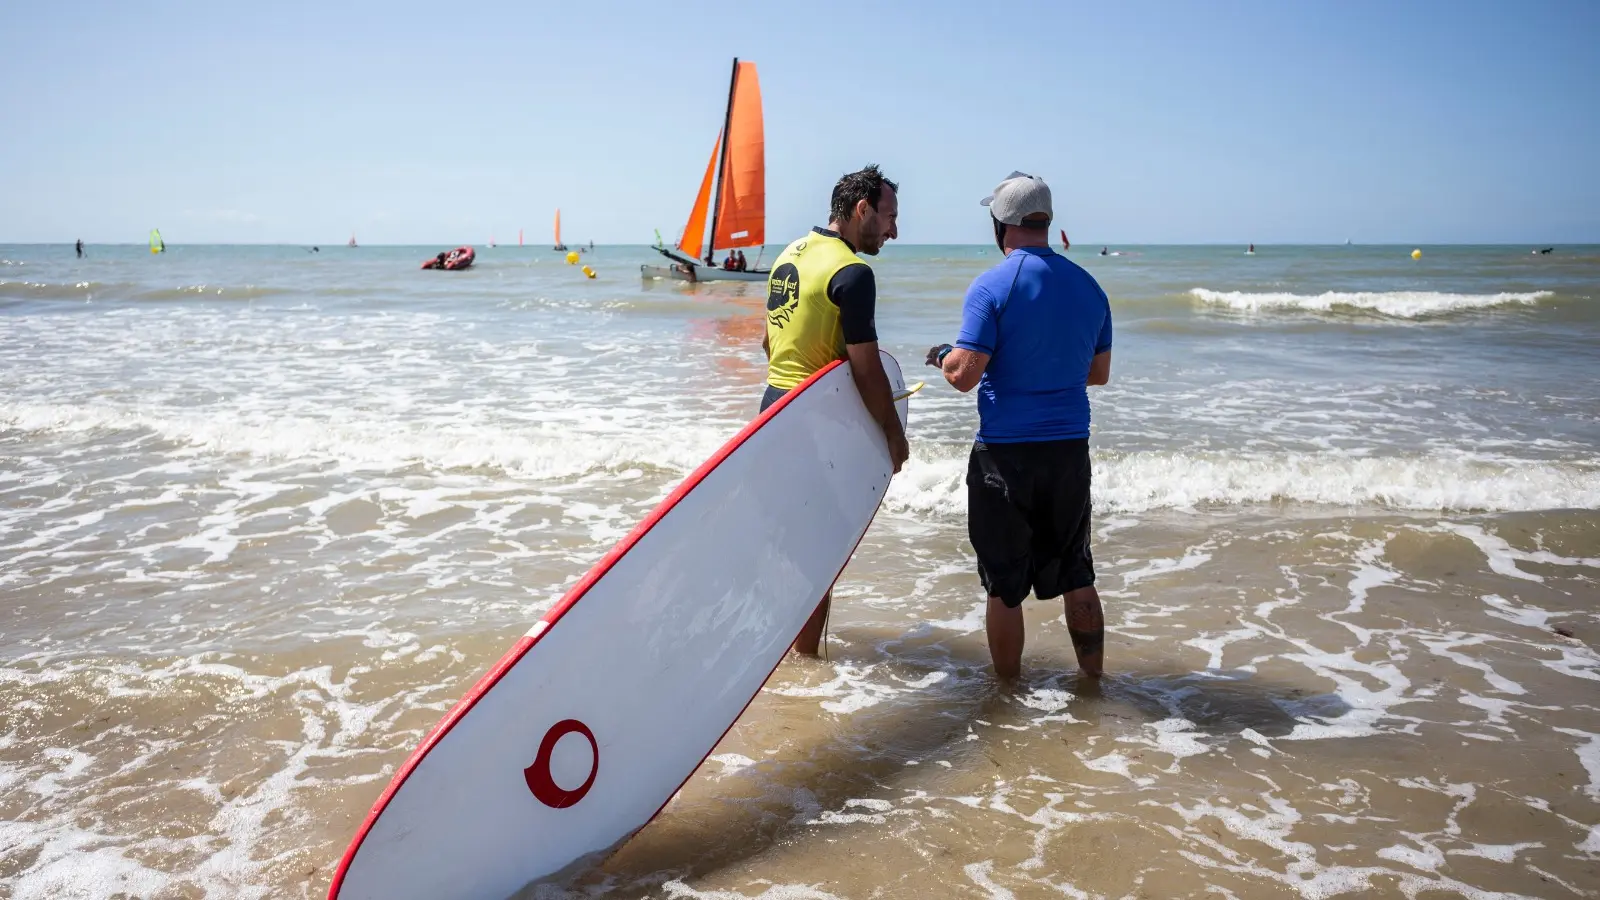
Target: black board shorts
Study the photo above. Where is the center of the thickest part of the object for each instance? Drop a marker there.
(1028, 518)
(770, 396)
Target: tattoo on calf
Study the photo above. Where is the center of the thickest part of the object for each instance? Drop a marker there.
(1087, 643)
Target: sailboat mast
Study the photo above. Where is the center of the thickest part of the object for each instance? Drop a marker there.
(722, 163)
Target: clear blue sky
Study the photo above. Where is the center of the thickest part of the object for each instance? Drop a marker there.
(1410, 122)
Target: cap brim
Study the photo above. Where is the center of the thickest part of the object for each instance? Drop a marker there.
(986, 201)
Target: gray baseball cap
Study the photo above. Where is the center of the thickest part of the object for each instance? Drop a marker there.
(1019, 197)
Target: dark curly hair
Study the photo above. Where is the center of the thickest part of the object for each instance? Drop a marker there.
(867, 184)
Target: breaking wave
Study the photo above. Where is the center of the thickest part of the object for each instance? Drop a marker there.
(1389, 304)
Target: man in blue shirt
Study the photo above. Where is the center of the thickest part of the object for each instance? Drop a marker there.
(1035, 332)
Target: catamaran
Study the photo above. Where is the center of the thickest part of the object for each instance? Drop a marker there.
(739, 214)
(559, 245)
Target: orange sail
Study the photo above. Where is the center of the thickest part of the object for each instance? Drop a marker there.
(694, 233)
(558, 226)
(741, 215)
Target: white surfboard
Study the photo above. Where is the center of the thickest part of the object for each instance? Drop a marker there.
(585, 729)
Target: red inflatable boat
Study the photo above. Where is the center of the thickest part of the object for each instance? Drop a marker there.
(459, 258)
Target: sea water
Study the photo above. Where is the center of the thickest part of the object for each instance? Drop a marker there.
(266, 513)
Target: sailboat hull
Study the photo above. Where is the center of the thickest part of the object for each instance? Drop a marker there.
(701, 273)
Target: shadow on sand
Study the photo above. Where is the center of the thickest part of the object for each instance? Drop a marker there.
(822, 761)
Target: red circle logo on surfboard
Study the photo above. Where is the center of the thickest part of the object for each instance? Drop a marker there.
(539, 778)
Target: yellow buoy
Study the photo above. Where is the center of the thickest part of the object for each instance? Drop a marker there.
(1416, 254)
(572, 258)
(588, 272)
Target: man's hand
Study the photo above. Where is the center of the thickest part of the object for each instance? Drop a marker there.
(899, 450)
(933, 355)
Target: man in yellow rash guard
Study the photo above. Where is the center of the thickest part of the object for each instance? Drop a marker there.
(821, 301)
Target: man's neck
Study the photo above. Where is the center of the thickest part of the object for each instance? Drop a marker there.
(846, 232)
(1018, 241)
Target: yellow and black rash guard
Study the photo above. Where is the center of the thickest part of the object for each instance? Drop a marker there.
(820, 297)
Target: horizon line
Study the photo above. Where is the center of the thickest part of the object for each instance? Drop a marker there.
(597, 244)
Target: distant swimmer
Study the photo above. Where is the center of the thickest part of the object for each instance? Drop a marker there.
(80, 248)
(821, 302)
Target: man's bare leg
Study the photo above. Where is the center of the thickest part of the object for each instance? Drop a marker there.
(1087, 626)
(1006, 635)
(810, 638)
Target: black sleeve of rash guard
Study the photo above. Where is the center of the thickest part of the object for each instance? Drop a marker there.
(855, 292)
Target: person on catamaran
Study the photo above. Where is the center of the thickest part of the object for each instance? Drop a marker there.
(739, 261)
(821, 304)
(1035, 333)
(728, 263)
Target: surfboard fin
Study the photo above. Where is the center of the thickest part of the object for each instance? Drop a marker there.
(901, 395)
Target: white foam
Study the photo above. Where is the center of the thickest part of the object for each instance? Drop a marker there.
(1047, 700)
(1500, 853)
(73, 763)
(732, 762)
(972, 621)
(1192, 558)
(1446, 648)
(1148, 480)
(1116, 763)
(1503, 558)
(851, 689)
(1393, 304)
(680, 891)
(1215, 646)
(1428, 859)
(1177, 738)
(73, 862)
(1575, 662)
(385, 444)
(982, 875)
(1272, 828)
(1589, 756)
(1366, 707)
(1518, 613)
